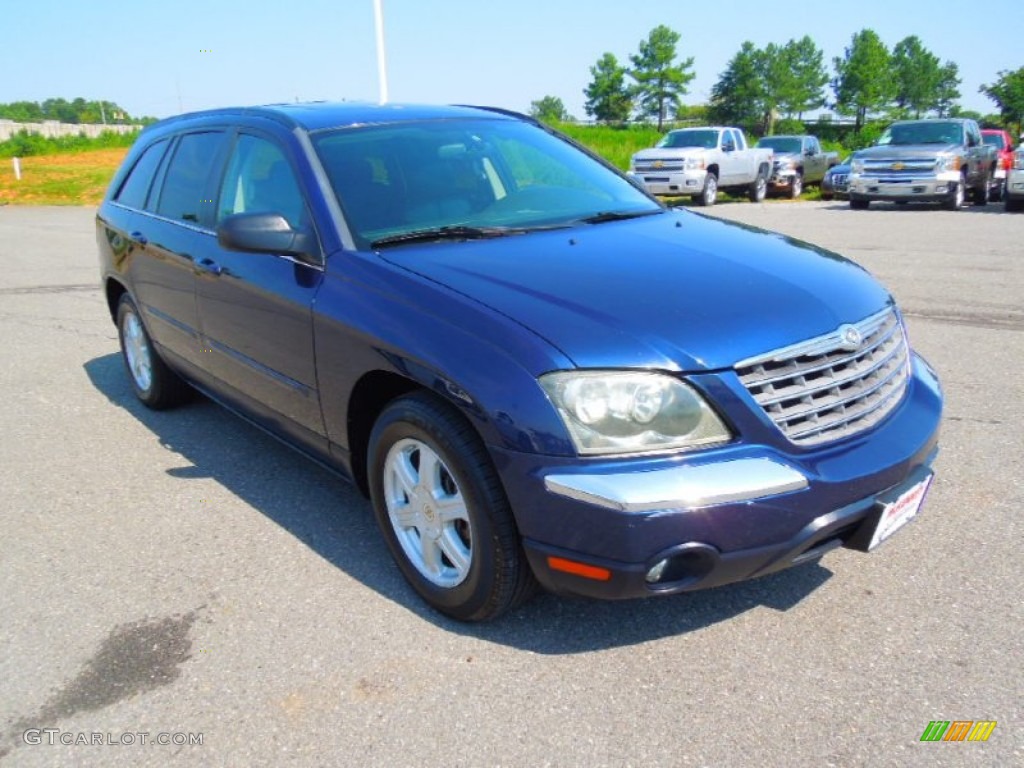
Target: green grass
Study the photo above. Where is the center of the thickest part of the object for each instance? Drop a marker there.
(615, 144)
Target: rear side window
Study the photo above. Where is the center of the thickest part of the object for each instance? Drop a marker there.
(136, 187)
(186, 180)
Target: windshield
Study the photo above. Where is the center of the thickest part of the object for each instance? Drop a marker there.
(781, 145)
(689, 138)
(922, 133)
(456, 176)
(994, 140)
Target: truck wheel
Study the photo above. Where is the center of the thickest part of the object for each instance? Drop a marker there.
(857, 204)
(796, 186)
(997, 192)
(1013, 204)
(709, 194)
(956, 198)
(758, 188)
(980, 196)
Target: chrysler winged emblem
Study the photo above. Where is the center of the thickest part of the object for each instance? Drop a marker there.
(851, 338)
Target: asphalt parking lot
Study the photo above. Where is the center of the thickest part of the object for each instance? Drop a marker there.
(181, 575)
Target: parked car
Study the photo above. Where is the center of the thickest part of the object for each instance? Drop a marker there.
(700, 161)
(836, 181)
(924, 161)
(796, 162)
(1014, 189)
(535, 371)
(1001, 140)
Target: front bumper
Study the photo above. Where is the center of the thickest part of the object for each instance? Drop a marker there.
(689, 182)
(719, 516)
(925, 189)
(1014, 188)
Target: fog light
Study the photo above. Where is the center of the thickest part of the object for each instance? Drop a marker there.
(654, 575)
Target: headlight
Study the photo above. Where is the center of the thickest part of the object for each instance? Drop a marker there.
(947, 163)
(693, 163)
(631, 412)
(857, 166)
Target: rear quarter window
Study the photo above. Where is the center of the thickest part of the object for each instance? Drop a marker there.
(135, 189)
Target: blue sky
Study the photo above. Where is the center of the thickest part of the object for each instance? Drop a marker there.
(159, 58)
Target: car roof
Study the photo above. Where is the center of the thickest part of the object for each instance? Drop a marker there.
(321, 115)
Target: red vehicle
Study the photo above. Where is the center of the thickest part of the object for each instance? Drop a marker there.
(1000, 139)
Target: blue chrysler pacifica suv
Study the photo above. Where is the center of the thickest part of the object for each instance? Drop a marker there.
(535, 371)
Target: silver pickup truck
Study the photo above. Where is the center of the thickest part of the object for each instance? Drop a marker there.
(928, 161)
(798, 160)
(700, 161)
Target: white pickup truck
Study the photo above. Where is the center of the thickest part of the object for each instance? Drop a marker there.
(700, 161)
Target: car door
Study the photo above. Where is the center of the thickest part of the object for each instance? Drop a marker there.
(255, 309)
(730, 154)
(814, 161)
(167, 229)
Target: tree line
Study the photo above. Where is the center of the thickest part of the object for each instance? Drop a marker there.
(76, 111)
(760, 85)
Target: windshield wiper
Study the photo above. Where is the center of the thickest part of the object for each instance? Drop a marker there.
(603, 216)
(456, 232)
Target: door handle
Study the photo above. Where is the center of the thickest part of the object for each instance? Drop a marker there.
(139, 238)
(209, 265)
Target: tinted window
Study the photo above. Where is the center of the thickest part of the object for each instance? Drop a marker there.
(993, 139)
(136, 187)
(690, 138)
(185, 182)
(259, 179)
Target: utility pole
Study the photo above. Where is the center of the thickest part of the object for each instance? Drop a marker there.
(382, 72)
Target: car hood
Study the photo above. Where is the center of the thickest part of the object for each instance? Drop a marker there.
(784, 156)
(675, 291)
(668, 153)
(907, 151)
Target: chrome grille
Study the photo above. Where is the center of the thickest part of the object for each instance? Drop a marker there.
(839, 181)
(898, 168)
(823, 389)
(654, 166)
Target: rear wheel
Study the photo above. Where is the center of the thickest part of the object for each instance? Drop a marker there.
(443, 512)
(859, 205)
(156, 385)
(709, 193)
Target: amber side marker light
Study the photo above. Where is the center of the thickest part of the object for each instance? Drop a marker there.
(579, 569)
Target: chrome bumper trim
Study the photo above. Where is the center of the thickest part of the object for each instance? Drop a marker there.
(683, 487)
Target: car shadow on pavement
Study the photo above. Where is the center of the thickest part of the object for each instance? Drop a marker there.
(334, 520)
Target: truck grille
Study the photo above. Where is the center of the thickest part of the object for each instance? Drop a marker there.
(655, 166)
(897, 168)
(828, 388)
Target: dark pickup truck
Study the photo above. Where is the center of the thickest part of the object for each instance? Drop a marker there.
(796, 162)
(928, 161)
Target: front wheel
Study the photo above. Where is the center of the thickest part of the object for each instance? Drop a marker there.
(758, 188)
(443, 512)
(156, 385)
(796, 186)
(709, 193)
(955, 201)
(859, 205)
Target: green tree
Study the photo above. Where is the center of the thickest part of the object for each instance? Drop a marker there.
(806, 62)
(549, 109)
(738, 95)
(660, 82)
(917, 74)
(1008, 94)
(608, 99)
(863, 81)
(948, 90)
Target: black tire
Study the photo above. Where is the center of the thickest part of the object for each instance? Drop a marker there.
(156, 385)
(857, 204)
(1013, 204)
(827, 196)
(471, 565)
(796, 186)
(758, 188)
(980, 195)
(955, 200)
(996, 194)
(709, 194)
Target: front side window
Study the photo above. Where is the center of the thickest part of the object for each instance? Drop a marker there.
(186, 180)
(259, 179)
(483, 173)
(135, 190)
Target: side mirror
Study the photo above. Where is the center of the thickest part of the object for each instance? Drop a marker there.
(728, 147)
(266, 233)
